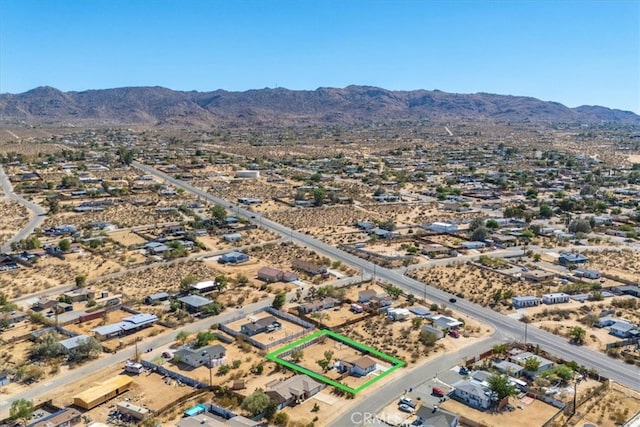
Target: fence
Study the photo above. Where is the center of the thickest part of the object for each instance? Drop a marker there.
(173, 375)
(262, 346)
(623, 343)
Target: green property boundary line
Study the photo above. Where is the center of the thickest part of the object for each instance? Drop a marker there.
(274, 357)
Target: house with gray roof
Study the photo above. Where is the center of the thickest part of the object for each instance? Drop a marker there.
(72, 343)
(472, 393)
(195, 357)
(525, 301)
(266, 324)
(294, 390)
(436, 417)
(195, 303)
(128, 325)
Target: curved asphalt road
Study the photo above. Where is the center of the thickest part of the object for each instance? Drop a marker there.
(37, 211)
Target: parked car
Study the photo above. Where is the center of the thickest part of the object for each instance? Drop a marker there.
(463, 371)
(406, 408)
(454, 333)
(407, 401)
(438, 392)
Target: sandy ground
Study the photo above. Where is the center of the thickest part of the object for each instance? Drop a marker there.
(624, 264)
(533, 415)
(14, 217)
(616, 406)
(288, 328)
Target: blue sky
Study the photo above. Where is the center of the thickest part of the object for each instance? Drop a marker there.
(574, 52)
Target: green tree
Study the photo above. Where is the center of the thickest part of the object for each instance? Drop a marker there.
(501, 387)
(88, 348)
(545, 211)
(480, 234)
(219, 213)
(318, 196)
(416, 322)
(186, 282)
(256, 403)
(204, 338)
(54, 205)
(279, 300)
(21, 409)
(577, 335)
(580, 226)
(564, 372)
(527, 234)
(81, 281)
(492, 224)
(532, 364)
(64, 245)
(182, 337)
(281, 419)
(500, 349)
(428, 339)
(297, 355)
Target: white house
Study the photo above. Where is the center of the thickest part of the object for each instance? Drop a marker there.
(398, 314)
(442, 227)
(445, 322)
(555, 298)
(473, 393)
(525, 301)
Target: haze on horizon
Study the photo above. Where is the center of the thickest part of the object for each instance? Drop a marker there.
(573, 52)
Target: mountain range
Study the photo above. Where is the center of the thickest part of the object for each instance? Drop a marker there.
(277, 107)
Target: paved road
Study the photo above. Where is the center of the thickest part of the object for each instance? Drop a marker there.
(37, 212)
(370, 403)
(47, 389)
(508, 327)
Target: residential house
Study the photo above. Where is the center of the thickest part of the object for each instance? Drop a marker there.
(128, 325)
(632, 290)
(44, 304)
(537, 276)
(156, 298)
(358, 366)
(587, 274)
(72, 343)
(156, 248)
(308, 267)
(233, 257)
(521, 358)
(312, 307)
(266, 324)
(232, 237)
(445, 322)
(272, 275)
(472, 393)
(436, 331)
(195, 357)
(570, 259)
(381, 300)
(65, 417)
(506, 367)
(366, 295)
(441, 227)
(398, 314)
(525, 301)
(205, 286)
(435, 249)
(555, 298)
(436, 417)
(293, 390)
(624, 330)
(195, 303)
(382, 233)
(80, 294)
(472, 245)
(14, 317)
(365, 225)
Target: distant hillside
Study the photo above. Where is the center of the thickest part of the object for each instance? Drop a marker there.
(353, 104)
